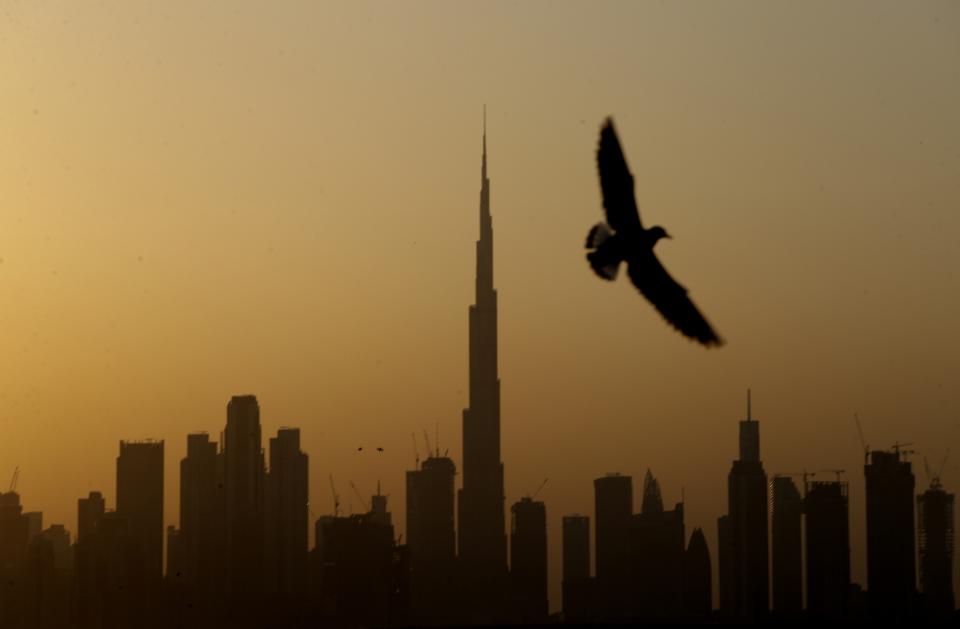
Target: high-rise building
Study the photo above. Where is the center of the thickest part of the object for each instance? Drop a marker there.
(576, 569)
(89, 511)
(786, 546)
(725, 565)
(34, 523)
(747, 502)
(361, 572)
(86, 602)
(697, 577)
(176, 556)
(286, 515)
(140, 501)
(613, 512)
(891, 547)
(13, 550)
(528, 560)
(935, 527)
(431, 540)
(202, 522)
(655, 554)
(243, 481)
(482, 540)
(58, 601)
(828, 549)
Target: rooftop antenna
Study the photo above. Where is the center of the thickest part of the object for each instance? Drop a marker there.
(749, 416)
(416, 452)
(436, 439)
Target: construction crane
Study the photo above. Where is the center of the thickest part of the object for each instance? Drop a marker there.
(934, 479)
(426, 439)
(804, 474)
(336, 498)
(837, 472)
(16, 477)
(536, 493)
(897, 447)
(863, 442)
(363, 501)
(943, 464)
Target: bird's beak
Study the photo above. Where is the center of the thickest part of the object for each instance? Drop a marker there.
(666, 235)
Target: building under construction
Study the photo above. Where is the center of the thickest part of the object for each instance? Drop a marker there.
(935, 548)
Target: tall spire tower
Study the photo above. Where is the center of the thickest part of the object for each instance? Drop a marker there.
(482, 540)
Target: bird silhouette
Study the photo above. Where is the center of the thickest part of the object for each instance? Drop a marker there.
(624, 239)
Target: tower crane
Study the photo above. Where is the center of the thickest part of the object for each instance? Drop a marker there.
(16, 477)
(363, 501)
(863, 443)
(837, 472)
(537, 492)
(336, 498)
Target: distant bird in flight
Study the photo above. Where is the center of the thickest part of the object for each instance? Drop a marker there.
(625, 240)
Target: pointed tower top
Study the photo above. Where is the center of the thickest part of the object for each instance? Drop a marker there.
(484, 140)
(652, 500)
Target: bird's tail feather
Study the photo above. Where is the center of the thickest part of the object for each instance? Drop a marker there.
(604, 261)
(599, 234)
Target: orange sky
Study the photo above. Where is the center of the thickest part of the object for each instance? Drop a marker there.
(205, 199)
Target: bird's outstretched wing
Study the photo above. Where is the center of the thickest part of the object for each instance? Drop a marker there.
(670, 298)
(616, 182)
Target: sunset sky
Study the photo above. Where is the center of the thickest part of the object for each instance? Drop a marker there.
(203, 199)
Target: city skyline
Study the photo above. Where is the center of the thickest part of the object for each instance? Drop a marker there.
(181, 226)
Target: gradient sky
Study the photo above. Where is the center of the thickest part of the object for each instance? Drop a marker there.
(201, 199)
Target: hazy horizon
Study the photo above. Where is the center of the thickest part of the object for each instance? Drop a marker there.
(223, 198)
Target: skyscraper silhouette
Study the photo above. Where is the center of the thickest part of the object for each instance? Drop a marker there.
(747, 500)
(140, 501)
(89, 510)
(243, 481)
(202, 503)
(482, 540)
(13, 550)
(285, 567)
(697, 577)
(891, 566)
(936, 531)
(828, 549)
(786, 546)
(577, 584)
(613, 512)
(431, 540)
(725, 568)
(528, 560)
(655, 553)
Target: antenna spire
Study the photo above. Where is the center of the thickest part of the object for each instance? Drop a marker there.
(749, 416)
(484, 141)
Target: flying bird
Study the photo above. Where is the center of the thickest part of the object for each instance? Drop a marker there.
(623, 239)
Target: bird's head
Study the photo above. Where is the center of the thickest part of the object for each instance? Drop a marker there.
(657, 232)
